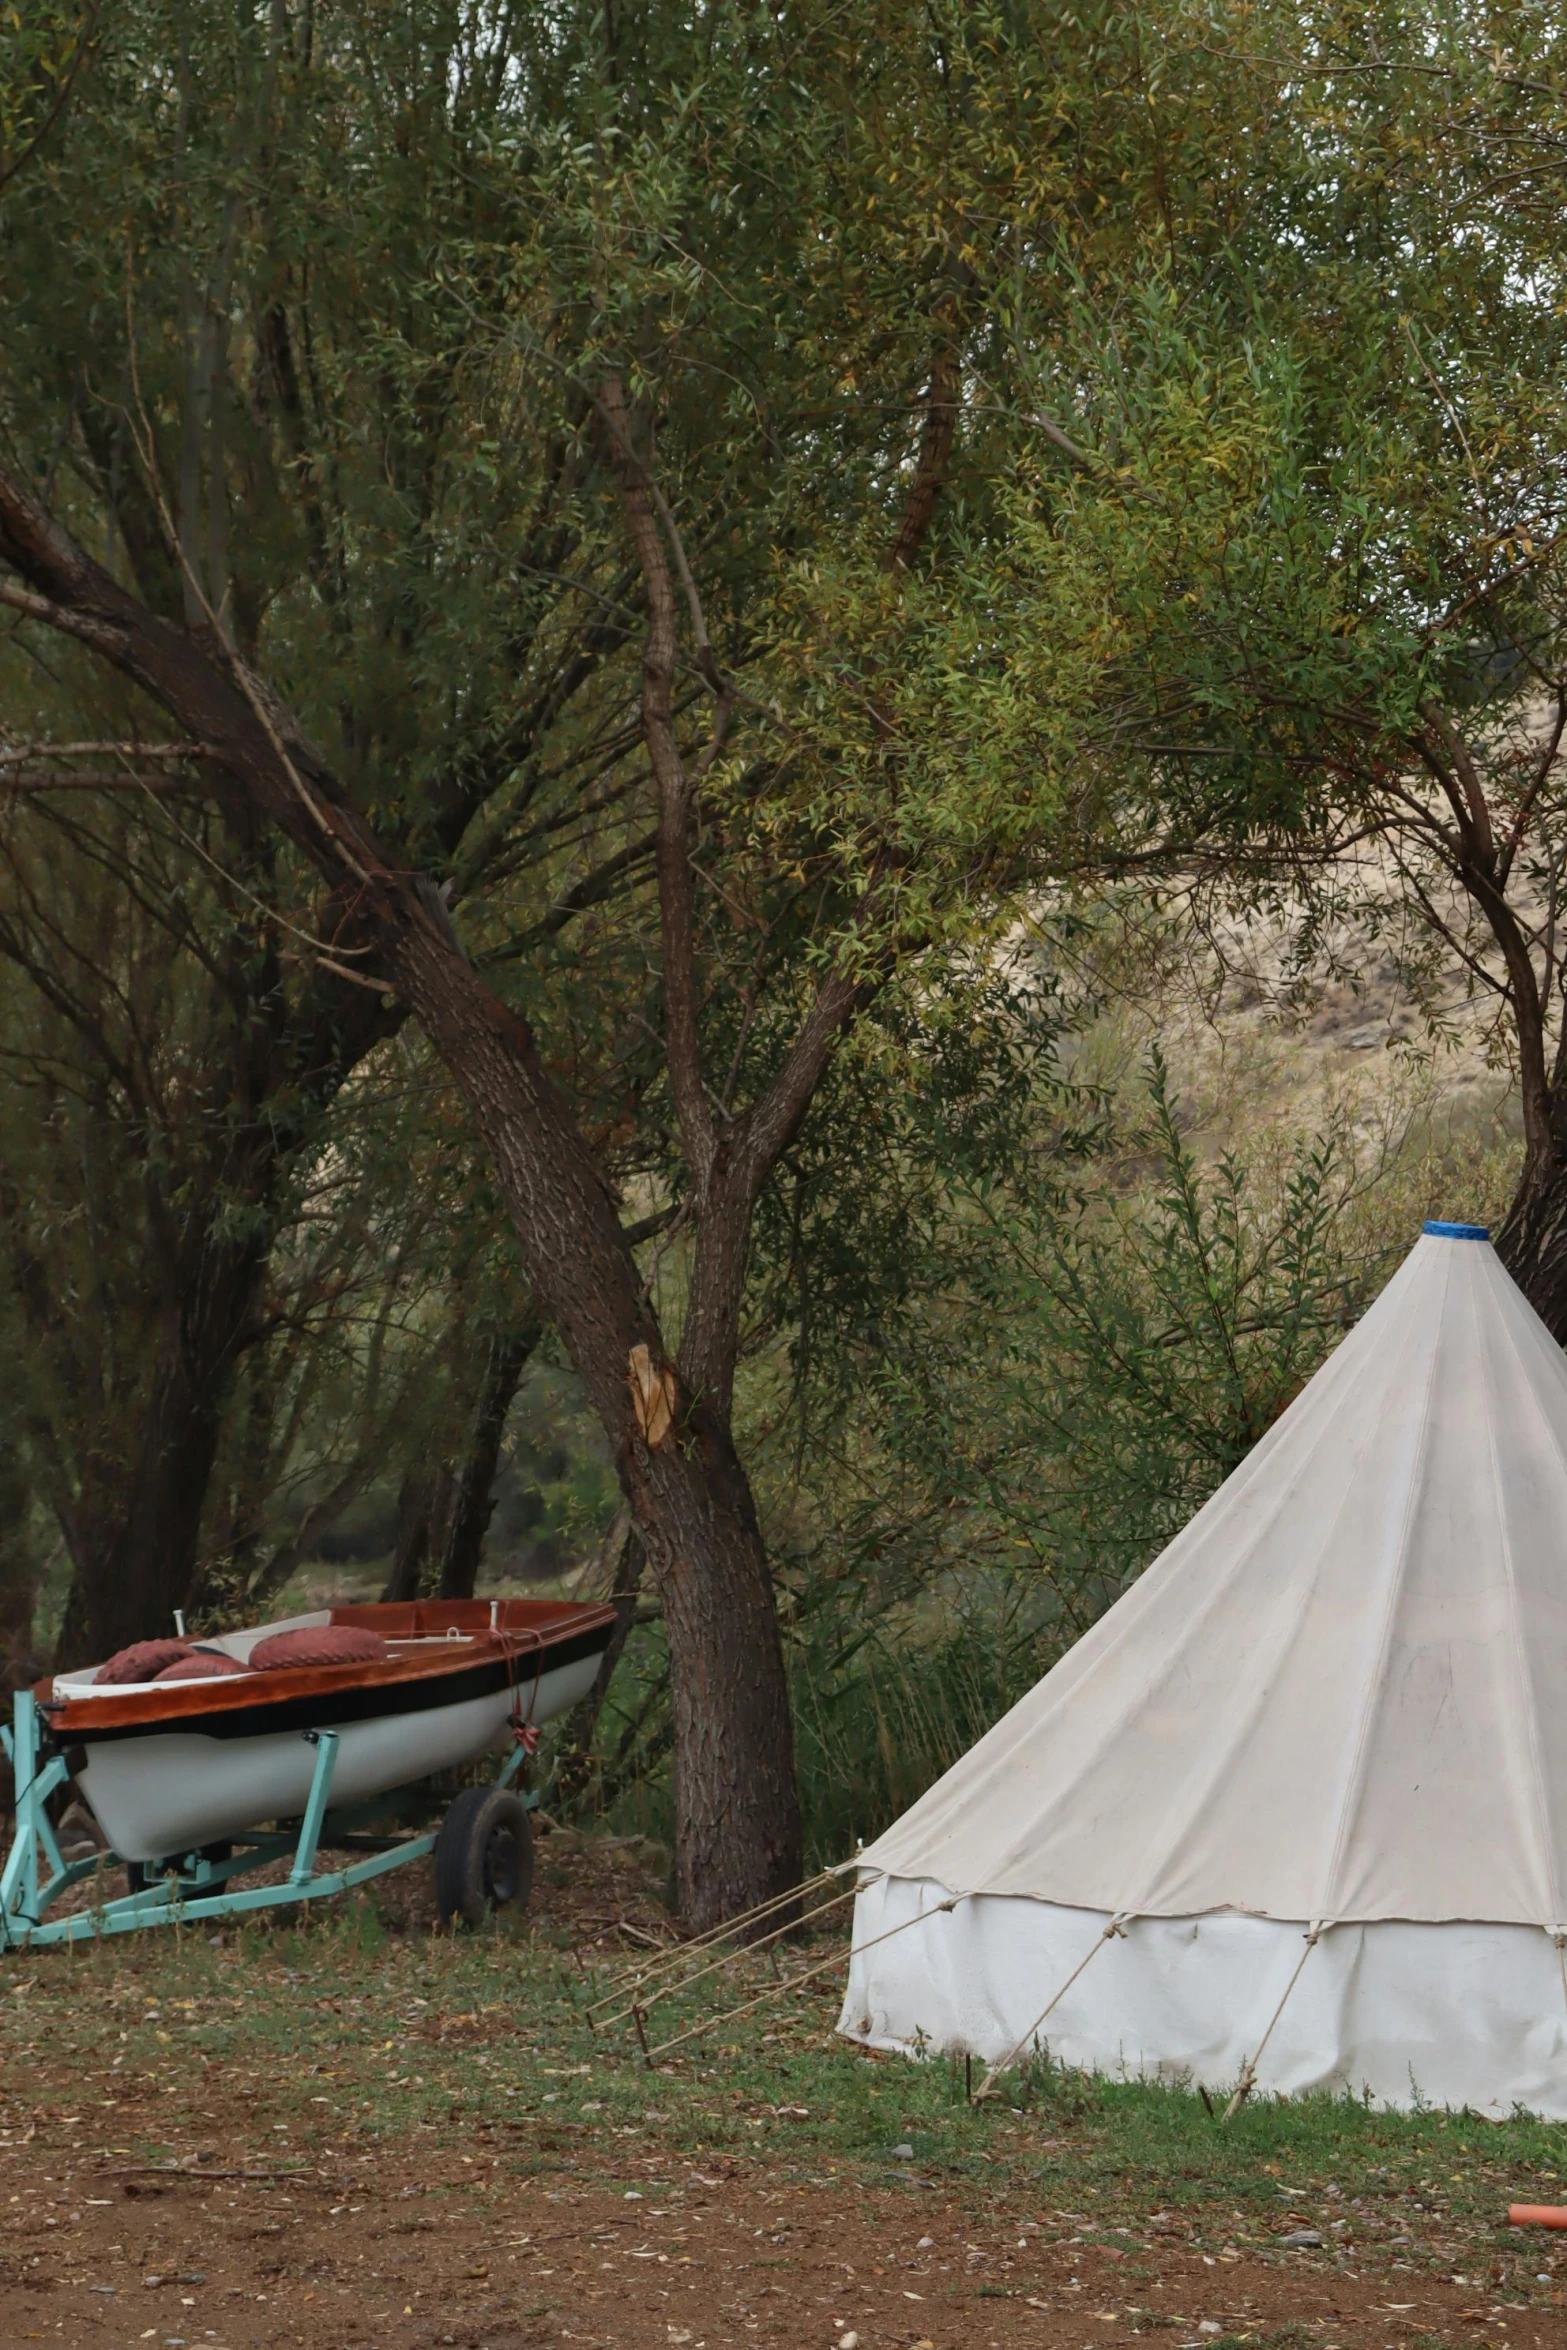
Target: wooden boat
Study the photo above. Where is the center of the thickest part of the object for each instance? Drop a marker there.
(170, 1766)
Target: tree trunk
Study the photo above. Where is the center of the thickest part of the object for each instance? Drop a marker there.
(738, 1835)
(19, 1662)
(736, 1797)
(136, 1559)
(416, 1502)
(628, 1563)
(1532, 1237)
(506, 1358)
(135, 1537)
(1532, 1240)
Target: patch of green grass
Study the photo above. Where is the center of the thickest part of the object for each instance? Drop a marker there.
(1285, 2337)
(326, 2033)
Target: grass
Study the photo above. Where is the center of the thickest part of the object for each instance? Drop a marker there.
(327, 2036)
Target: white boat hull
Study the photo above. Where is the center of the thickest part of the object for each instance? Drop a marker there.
(170, 1792)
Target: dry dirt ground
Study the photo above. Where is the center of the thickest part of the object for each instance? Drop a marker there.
(422, 2250)
(413, 2251)
(184, 2179)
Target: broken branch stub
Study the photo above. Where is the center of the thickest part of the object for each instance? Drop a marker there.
(653, 1397)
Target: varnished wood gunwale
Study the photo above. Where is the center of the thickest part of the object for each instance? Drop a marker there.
(530, 1636)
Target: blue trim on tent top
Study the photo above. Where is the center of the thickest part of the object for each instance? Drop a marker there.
(1442, 1231)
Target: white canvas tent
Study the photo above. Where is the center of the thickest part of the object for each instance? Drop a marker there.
(1295, 1810)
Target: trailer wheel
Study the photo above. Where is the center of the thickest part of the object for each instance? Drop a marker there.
(483, 1857)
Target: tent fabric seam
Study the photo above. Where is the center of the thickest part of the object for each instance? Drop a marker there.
(1375, 1684)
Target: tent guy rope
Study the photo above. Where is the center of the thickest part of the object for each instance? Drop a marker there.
(987, 2087)
(1248, 2079)
(634, 1978)
(785, 1983)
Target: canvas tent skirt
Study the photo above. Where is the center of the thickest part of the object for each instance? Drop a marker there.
(1456, 2014)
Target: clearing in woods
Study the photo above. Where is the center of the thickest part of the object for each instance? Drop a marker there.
(351, 2130)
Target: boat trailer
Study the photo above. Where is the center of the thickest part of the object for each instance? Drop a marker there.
(483, 1850)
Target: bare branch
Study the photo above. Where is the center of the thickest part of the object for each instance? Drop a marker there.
(591, 890)
(676, 800)
(88, 779)
(930, 471)
(1542, 769)
(611, 407)
(82, 625)
(13, 753)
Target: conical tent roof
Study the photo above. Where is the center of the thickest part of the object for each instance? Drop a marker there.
(1341, 1692)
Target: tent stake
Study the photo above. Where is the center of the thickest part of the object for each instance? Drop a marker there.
(1248, 2079)
(987, 2087)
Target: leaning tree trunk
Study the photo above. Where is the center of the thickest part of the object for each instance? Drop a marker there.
(738, 1835)
(1532, 1237)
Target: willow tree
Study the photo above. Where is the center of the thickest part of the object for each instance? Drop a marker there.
(265, 429)
(731, 349)
(1303, 505)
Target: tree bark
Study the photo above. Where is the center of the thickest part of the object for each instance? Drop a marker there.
(628, 1563)
(412, 1544)
(473, 1501)
(1532, 1239)
(19, 1662)
(136, 1557)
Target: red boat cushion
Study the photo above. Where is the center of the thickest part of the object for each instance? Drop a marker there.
(318, 1644)
(144, 1660)
(204, 1664)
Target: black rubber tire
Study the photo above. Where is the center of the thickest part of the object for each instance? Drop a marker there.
(484, 1857)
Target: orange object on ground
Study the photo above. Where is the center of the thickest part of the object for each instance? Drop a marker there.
(1537, 2215)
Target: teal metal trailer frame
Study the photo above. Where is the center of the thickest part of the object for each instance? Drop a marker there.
(192, 1885)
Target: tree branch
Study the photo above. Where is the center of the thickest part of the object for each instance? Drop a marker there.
(1464, 768)
(591, 890)
(1526, 806)
(930, 471)
(676, 797)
